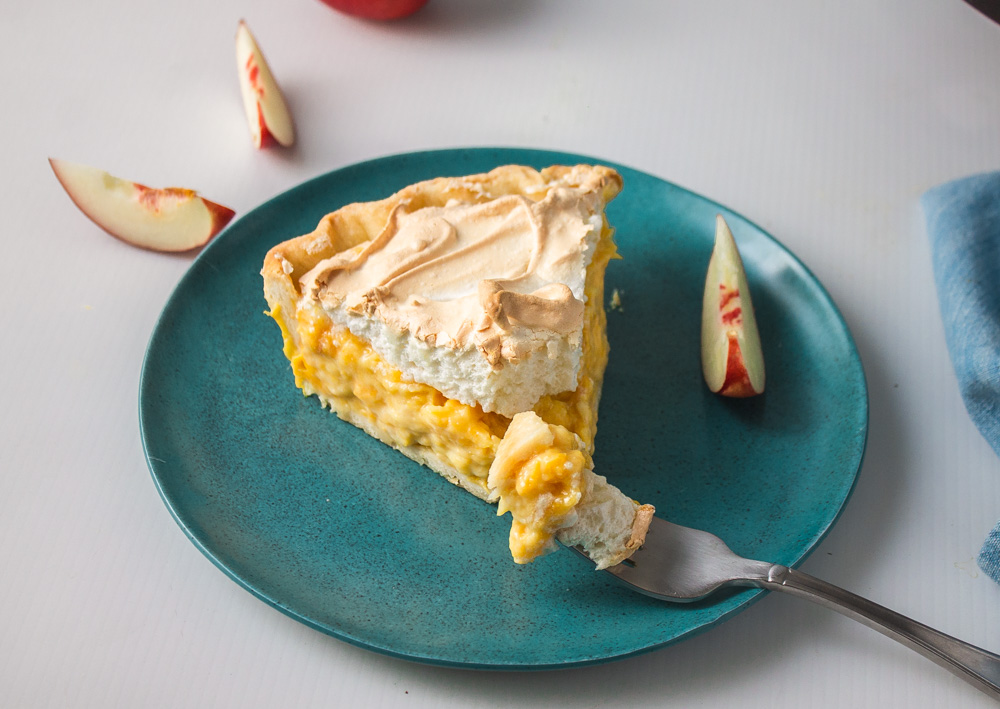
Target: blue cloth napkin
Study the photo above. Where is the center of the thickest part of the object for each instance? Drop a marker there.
(963, 222)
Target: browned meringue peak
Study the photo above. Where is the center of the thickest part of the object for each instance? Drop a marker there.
(497, 275)
(552, 307)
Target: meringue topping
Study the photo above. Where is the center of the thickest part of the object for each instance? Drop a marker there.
(502, 275)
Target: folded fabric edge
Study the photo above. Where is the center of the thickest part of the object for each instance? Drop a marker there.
(989, 556)
(963, 222)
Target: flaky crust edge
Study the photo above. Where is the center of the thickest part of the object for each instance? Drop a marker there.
(640, 525)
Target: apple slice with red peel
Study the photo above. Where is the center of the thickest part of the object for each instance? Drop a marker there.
(731, 356)
(168, 219)
(267, 112)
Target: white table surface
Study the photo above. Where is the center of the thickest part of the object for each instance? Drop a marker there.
(821, 122)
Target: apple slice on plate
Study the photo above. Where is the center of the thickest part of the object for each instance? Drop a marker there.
(168, 219)
(731, 356)
(267, 112)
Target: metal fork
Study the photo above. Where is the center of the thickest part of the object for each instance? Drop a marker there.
(678, 563)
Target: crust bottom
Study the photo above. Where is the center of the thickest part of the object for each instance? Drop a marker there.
(420, 454)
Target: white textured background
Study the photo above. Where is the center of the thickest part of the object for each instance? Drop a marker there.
(821, 122)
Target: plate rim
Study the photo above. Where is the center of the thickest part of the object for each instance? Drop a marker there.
(537, 155)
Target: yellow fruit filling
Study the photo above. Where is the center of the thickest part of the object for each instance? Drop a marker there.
(538, 472)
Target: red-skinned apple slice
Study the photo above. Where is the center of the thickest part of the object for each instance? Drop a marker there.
(267, 112)
(168, 219)
(731, 356)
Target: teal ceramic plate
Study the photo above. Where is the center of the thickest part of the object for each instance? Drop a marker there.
(348, 536)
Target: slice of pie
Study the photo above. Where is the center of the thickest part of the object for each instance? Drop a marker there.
(433, 317)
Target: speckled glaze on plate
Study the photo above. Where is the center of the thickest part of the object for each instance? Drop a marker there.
(348, 536)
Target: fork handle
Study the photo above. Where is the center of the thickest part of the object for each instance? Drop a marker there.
(976, 666)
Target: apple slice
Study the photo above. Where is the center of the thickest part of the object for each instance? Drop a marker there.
(168, 219)
(267, 112)
(731, 356)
